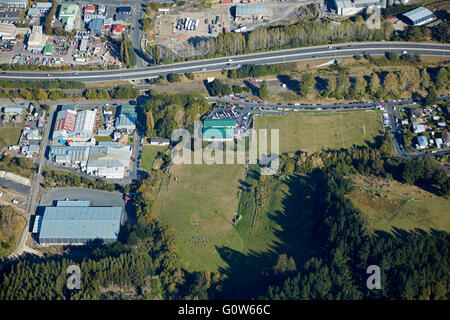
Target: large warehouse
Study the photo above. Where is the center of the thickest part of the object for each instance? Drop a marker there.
(77, 224)
(218, 129)
(419, 16)
(250, 12)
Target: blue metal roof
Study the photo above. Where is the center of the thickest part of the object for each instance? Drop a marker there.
(65, 225)
(95, 25)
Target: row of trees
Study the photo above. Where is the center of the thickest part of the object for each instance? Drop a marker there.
(67, 179)
(127, 54)
(382, 85)
(46, 84)
(42, 94)
(116, 93)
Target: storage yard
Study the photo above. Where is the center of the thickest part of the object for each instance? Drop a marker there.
(174, 30)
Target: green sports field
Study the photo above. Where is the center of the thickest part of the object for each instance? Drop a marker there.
(312, 132)
(201, 204)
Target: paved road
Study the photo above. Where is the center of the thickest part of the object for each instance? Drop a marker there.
(271, 57)
(14, 186)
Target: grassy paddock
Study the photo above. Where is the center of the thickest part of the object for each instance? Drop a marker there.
(149, 154)
(312, 132)
(210, 195)
(389, 204)
(9, 136)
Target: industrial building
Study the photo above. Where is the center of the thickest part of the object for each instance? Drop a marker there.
(67, 11)
(72, 155)
(67, 14)
(109, 160)
(65, 123)
(77, 223)
(7, 31)
(126, 119)
(84, 125)
(78, 126)
(95, 25)
(418, 16)
(36, 39)
(251, 12)
(13, 4)
(218, 129)
(13, 110)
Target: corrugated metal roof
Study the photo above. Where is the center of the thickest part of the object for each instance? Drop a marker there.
(73, 203)
(219, 123)
(128, 109)
(79, 224)
(417, 13)
(250, 10)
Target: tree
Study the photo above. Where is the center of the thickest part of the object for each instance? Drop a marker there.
(263, 91)
(307, 84)
(425, 79)
(374, 83)
(360, 86)
(237, 89)
(442, 79)
(284, 265)
(390, 82)
(331, 84)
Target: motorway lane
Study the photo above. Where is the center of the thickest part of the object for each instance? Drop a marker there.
(271, 57)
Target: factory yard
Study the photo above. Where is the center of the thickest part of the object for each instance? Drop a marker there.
(221, 18)
(96, 197)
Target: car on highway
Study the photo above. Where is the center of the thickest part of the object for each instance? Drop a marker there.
(203, 69)
(260, 101)
(234, 98)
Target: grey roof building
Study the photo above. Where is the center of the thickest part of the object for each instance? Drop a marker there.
(14, 3)
(418, 16)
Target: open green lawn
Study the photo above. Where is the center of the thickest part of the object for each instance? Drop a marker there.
(103, 138)
(148, 156)
(390, 204)
(200, 207)
(9, 136)
(312, 132)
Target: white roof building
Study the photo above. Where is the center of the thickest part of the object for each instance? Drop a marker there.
(109, 161)
(84, 125)
(36, 39)
(7, 31)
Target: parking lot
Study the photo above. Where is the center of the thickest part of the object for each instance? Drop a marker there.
(98, 198)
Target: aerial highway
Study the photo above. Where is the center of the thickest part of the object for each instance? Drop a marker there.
(270, 57)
